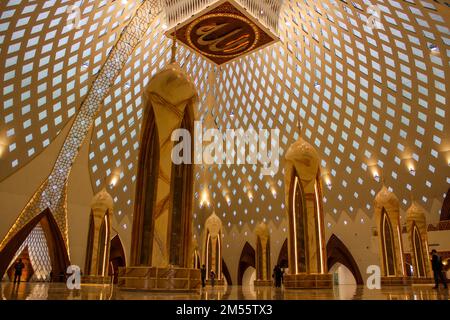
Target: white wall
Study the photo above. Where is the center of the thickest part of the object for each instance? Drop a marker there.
(79, 197)
(17, 190)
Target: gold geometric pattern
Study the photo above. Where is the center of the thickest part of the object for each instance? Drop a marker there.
(38, 252)
(370, 100)
(48, 63)
(371, 96)
(52, 193)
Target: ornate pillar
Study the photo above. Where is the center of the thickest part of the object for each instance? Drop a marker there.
(306, 244)
(263, 267)
(387, 216)
(416, 226)
(162, 221)
(212, 249)
(99, 237)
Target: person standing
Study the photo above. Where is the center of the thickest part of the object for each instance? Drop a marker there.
(18, 268)
(436, 264)
(203, 275)
(212, 275)
(278, 275)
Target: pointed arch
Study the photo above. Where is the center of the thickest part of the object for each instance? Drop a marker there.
(298, 248)
(116, 257)
(226, 273)
(283, 257)
(247, 259)
(337, 252)
(388, 248)
(56, 247)
(418, 252)
(146, 189)
(181, 191)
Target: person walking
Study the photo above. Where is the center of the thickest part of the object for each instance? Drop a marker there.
(18, 268)
(436, 264)
(203, 275)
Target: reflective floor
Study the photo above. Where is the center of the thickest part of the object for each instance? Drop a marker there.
(59, 291)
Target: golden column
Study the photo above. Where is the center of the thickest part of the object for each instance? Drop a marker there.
(162, 222)
(306, 240)
(387, 216)
(262, 255)
(416, 226)
(212, 249)
(99, 236)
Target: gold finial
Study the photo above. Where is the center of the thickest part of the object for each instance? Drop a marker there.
(174, 47)
(299, 126)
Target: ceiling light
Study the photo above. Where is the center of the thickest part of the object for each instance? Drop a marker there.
(433, 48)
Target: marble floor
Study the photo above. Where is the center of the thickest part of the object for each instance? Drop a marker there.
(59, 291)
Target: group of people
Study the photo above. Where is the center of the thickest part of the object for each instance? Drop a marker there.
(212, 276)
(278, 273)
(436, 264)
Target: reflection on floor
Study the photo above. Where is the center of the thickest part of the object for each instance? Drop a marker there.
(59, 291)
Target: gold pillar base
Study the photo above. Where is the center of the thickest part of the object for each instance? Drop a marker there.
(426, 281)
(263, 283)
(96, 279)
(217, 283)
(159, 279)
(308, 281)
(396, 281)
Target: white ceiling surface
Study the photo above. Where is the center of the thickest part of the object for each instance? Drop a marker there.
(368, 99)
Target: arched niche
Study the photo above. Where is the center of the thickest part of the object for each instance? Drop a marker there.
(55, 242)
(303, 194)
(212, 249)
(146, 190)
(416, 228)
(196, 260)
(181, 203)
(387, 245)
(99, 234)
(337, 252)
(226, 273)
(246, 260)
(387, 217)
(283, 256)
(263, 262)
(116, 257)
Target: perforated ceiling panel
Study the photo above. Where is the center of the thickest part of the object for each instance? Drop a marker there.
(50, 52)
(367, 79)
(371, 95)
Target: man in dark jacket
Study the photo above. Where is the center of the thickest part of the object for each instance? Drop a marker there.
(18, 268)
(203, 275)
(436, 264)
(278, 275)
